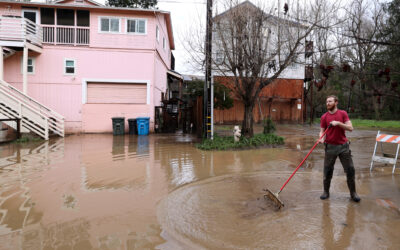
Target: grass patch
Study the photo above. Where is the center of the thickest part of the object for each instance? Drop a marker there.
(227, 142)
(28, 139)
(363, 123)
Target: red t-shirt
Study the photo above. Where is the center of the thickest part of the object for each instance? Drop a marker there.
(335, 135)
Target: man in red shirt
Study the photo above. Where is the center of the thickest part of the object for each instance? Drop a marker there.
(336, 144)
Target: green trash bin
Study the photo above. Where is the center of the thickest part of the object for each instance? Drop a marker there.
(118, 125)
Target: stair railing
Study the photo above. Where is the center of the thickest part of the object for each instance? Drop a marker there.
(34, 116)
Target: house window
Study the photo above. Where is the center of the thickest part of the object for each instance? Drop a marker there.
(108, 24)
(69, 67)
(157, 34)
(47, 16)
(136, 26)
(163, 42)
(30, 66)
(82, 18)
(65, 17)
(219, 57)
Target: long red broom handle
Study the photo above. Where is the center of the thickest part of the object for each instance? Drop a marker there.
(301, 163)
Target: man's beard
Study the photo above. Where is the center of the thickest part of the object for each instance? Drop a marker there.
(331, 108)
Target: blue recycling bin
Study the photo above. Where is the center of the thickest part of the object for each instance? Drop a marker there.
(143, 125)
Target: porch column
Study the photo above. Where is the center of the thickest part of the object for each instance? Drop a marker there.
(1, 64)
(25, 71)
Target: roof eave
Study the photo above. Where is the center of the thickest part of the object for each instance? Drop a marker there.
(102, 7)
(169, 29)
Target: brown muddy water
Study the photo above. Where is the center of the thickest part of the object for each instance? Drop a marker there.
(160, 192)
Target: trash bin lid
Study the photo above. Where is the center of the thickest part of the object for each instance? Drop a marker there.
(143, 118)
(118, 118)
(131, 119)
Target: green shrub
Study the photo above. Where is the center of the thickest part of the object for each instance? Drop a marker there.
(269, 126)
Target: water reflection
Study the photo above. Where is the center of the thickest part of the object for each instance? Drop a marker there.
(125, 167)
(19, 166)
(118, 148)
(142, 145)
(102, 191)
(337, 231)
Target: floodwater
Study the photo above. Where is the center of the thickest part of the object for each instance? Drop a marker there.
(160, 192)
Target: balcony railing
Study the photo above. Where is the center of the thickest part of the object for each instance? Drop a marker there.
(65, 35)
(18, 29)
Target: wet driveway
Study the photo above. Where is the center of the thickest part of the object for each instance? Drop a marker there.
(159, 191)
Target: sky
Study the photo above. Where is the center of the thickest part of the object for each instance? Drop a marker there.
(185, 14)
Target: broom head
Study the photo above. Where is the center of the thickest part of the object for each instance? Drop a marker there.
(274, 198)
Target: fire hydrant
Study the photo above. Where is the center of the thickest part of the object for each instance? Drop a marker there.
(236, 133)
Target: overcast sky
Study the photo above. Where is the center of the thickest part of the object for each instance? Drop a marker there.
(185, 14)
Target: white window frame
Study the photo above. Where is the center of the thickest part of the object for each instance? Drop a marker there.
(137, 19)
(109, 18)
(86, 80)
(27, 65)
(65, 66)
(157, 33)
(33, 11)
(163, 43)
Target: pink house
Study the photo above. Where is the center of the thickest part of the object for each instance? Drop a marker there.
(71, 65)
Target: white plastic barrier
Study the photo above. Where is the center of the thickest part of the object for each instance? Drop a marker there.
(385, 138)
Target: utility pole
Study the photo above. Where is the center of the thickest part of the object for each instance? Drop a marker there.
(207, 109)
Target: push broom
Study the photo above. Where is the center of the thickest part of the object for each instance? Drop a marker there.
(274, 197)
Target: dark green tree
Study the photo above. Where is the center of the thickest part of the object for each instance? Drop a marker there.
(146, 4)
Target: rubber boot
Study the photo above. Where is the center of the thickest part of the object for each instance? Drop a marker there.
(325, 194)
(352, 187)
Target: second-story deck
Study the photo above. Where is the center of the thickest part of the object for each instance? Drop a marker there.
(16, 31)
(57, 34)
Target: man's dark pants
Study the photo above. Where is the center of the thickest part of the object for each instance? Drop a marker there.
(344, 153)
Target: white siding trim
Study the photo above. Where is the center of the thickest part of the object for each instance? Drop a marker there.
(86, 80)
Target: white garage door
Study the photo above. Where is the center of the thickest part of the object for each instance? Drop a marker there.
(132, 93)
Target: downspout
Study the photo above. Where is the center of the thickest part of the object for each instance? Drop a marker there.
(154, 78)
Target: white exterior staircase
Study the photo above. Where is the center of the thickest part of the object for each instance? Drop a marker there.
(34, 116)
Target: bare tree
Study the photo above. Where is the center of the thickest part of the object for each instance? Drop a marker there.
(364, 20)
(254, 45)
(352, 51)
